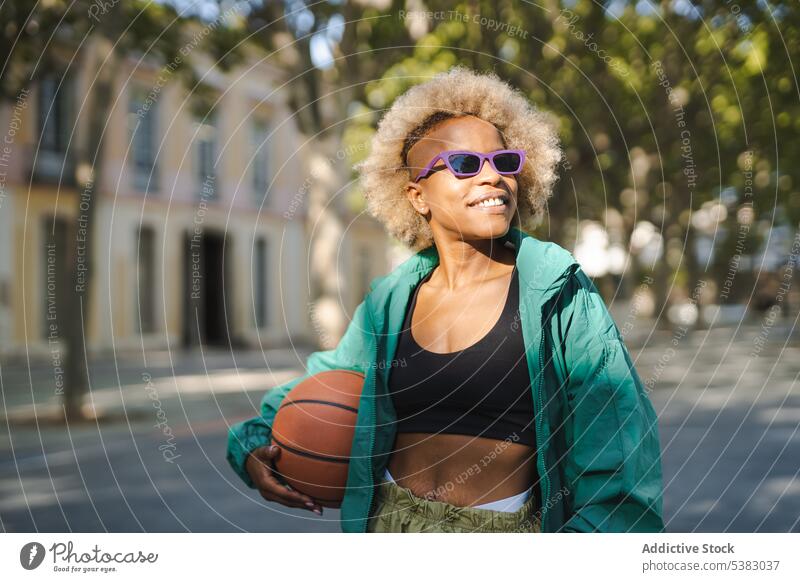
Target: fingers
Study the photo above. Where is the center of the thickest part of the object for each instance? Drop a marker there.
(259, 465)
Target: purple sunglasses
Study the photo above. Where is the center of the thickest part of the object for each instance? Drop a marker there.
(463, 163)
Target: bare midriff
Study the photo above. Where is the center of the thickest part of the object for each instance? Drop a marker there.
(461, 470)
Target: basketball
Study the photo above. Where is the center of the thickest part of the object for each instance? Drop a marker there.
(314, 428)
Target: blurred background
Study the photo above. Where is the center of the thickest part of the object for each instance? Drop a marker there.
(180, 227)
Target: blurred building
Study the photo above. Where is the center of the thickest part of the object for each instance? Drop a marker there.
(197, 213)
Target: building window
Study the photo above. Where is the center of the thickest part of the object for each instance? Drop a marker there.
(143, 124)
(260, 283)
(146, 280)
(54, 113)
(53, 116)
(205, 157)
(261, 160)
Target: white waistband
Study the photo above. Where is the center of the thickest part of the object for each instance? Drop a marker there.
(508, 504)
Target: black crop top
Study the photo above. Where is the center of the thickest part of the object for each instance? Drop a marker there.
(483, 390)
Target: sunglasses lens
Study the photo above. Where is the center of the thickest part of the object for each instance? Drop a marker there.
(465, 163)
(508, 163)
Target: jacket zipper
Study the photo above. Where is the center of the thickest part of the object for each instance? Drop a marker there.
(540, 388)
(374, 346)
(543, 469)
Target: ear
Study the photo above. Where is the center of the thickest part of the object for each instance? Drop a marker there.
(414, 194)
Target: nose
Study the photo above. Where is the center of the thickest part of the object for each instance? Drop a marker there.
(488, 175)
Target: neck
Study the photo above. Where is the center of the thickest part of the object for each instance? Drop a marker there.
(465, 263)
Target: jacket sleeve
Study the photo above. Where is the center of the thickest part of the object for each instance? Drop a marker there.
(349, 354)
(613, 461)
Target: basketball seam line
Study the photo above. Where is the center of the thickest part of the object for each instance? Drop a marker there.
(310, 455)
(312, 401)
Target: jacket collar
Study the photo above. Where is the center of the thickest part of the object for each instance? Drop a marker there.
(541, 265)
(542, 268)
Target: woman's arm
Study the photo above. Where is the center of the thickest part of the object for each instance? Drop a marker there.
(613, 463)
(349, 354)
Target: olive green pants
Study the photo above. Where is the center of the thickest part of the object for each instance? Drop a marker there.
(398, 510)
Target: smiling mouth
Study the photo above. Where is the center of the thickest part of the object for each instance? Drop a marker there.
(498, 201)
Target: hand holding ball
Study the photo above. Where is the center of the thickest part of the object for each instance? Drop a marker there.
(314, 429)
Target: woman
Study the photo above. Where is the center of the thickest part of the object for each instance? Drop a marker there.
(516, 407)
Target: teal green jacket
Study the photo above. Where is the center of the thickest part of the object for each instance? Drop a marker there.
(598, 450)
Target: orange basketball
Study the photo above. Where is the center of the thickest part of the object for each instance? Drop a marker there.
(314, 428)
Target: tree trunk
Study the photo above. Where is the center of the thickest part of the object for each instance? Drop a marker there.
(326, 231)
(89, 170)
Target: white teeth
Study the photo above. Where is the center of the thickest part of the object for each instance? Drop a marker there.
(491, 202)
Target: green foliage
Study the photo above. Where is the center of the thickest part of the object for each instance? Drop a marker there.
(693, 93)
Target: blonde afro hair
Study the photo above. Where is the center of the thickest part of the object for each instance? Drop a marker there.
(457, 92)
